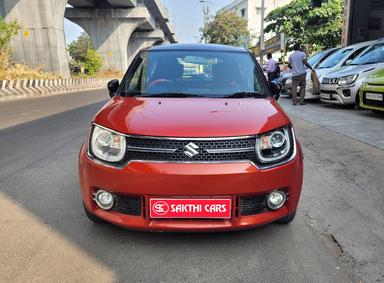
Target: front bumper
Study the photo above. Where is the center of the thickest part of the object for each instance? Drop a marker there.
(341, 95)
(371, 104)
(151, 179)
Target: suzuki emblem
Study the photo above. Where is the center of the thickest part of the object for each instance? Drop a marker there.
(191, 150)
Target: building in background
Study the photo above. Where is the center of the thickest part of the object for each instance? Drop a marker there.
(251, 11)
(363, 21)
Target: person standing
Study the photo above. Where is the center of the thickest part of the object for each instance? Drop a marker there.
(297, 63)
(271, 68)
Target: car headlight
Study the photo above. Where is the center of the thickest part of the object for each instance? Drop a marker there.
(107, 145)
(347, 80)
(275, 146)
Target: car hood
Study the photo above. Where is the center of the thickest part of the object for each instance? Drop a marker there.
(376, 78)
(351, 70)
(323, 71)
(191, 117)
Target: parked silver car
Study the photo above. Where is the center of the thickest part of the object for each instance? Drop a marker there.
(338, 59)
(342, 86)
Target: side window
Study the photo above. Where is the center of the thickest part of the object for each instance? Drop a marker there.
(134, 82)
(354, 55)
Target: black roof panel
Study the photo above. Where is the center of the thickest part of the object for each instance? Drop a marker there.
(197, 46)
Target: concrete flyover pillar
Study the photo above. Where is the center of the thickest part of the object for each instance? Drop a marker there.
(140, 40)
(41, 41)
(110, 30)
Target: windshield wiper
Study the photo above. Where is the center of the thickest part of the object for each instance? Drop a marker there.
(242, 94)
(171, 94)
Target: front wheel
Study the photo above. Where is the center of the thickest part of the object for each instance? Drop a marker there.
(287, 219)
(93, 217)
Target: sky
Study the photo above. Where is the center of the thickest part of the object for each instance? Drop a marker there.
(186, 15)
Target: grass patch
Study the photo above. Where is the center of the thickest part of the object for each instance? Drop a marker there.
(13, 71)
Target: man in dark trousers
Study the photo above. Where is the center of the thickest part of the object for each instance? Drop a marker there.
(297, 63)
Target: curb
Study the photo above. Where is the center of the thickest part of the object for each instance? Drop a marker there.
(10, 89)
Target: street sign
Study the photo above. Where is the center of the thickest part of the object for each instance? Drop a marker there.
(276, 43)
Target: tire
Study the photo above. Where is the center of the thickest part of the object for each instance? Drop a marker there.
(93, 217)
(287, 219)
(357, 101)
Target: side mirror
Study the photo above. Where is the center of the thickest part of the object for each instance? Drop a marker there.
(112, 86)
(348, 62)
(275, 89)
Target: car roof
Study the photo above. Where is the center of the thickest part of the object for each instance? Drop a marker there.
(360, 44)
(197, 46)
(381, 40)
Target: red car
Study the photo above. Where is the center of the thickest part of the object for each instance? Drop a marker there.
(192, 140)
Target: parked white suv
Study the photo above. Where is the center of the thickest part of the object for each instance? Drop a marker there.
(342, 86)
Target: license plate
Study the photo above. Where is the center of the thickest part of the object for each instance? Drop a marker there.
(190, 208)
(374, 96)
(325, 95)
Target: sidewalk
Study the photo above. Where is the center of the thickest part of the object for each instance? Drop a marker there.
(362, 125)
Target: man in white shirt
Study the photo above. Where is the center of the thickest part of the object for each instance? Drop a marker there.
(271, 68)
(297, 63)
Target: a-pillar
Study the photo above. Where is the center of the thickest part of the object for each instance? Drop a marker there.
(110, 30)
(41, 40)
(140, 40)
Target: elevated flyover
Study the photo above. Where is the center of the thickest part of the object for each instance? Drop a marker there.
(109, 23)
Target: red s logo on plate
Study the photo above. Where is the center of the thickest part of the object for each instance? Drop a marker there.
(160, 208)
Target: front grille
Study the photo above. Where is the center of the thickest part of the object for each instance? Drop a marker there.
(189, 150)
(130, 205)
(330, 80)
(253, 205)
(133, 205)
(176, 150)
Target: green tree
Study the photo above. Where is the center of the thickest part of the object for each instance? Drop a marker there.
(314, 28)
(78, 48)
(93, 61)
(226, 28)
(7, 31)
(84, 56)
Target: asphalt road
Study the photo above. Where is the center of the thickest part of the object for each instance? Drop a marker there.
(338, 235)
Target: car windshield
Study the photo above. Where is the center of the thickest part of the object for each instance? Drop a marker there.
(335, 58)
(375, 54)
(189, 73)
(315, 59)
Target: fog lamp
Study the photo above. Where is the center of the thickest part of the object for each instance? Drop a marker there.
(276, 200)
(104, 199)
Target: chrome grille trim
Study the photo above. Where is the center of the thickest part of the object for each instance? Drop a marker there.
(234, 150)
(151, 149)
